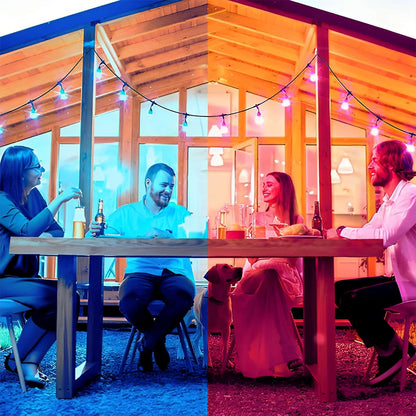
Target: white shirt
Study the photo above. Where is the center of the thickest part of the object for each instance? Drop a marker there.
(395, 224)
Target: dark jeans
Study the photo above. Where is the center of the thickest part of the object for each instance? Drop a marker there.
(138, 289)
(35, 292)
(363, 301)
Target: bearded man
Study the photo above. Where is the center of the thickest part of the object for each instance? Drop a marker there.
(151, 278)
(363, 300)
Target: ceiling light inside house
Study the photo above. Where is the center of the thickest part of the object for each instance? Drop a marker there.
(345, 166)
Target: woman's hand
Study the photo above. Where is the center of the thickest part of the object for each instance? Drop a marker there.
(69, 193)
(65, 196)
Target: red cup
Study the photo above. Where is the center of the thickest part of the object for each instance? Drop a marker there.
(235, 234)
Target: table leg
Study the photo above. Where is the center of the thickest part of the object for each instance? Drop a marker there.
(327, 388)
(309, 311)
(95, 314)
(68, 381)
(66, 327)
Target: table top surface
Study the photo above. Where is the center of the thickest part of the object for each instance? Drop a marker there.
(294, 246)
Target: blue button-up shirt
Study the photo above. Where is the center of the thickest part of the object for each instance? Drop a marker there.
(135, 220)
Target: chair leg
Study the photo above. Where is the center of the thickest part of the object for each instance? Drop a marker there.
(403, 371)
(185, 350)
(297, 335)
(16, 353)
(188, 340)
(127, 350)
(373, 357)
(135, 345)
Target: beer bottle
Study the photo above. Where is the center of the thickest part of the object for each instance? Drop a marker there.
(221, 225)
(99, 217)
(317, 219)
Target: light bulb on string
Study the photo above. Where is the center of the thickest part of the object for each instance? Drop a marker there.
(285, 101)
(313, 77)
(1, 130)
(150, 112)
(224, 128)
(259, 118)
(62, 94)
(99, 72)
(33, 113)
(122, 95)
(185, 123)
(411, 146)
(374, 130)
(345, 105)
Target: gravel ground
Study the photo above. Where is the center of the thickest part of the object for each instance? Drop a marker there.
(176, 392)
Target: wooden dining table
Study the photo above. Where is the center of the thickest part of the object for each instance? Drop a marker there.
(319, 303)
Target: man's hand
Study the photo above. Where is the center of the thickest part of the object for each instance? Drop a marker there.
(331, 233)
(95, 228)
(158, 233)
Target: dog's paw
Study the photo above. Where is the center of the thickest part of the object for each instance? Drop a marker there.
(179, 353)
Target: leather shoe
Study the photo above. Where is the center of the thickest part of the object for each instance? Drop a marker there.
(161, 354)
(145, 363)
(38, 380)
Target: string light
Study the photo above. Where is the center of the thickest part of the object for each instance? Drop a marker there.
(122, 95)
(374, 130)
(345, 105)
(224, 129)
(99, 72)
(259, 118)
(313, 77)
(185, 123)
(62, 94)
(33, 113)
(411, 146)
(286, 101)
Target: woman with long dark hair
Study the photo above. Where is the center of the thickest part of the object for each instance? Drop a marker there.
(25, 213)
(264, 334)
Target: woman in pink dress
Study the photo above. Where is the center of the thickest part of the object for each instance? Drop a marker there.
(265, 337)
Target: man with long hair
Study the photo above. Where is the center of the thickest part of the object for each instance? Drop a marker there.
(363, 300)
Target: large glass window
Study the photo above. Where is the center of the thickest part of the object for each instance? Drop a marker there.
(212, 99)
(272, 120)
(338, 128)
(106, 125)
(349, 197)
(349, 190)
(106, 179)
(158, 121)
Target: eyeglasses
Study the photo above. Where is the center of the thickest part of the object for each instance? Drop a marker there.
(38, 167)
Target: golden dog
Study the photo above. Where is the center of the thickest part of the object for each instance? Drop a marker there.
(212, 308)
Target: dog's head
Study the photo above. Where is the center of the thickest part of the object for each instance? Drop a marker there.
(224, 273)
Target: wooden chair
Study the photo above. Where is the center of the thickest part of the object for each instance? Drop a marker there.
(10, 309)
(407, 312)
(155, 307)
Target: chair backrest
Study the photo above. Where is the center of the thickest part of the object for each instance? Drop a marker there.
(10, 307)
